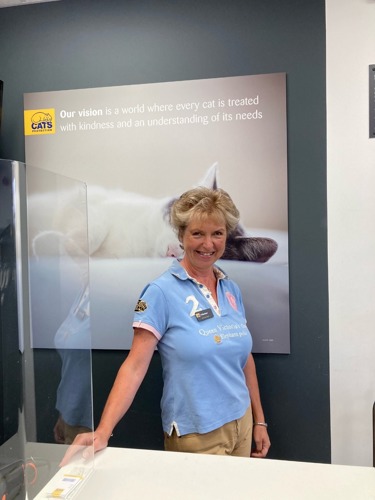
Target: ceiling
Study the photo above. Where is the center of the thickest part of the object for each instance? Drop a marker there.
(14, 3)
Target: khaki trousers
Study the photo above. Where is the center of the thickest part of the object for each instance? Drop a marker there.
(233, 438)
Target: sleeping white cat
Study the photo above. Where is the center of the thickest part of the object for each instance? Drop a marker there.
(123, 225)
(120, 224)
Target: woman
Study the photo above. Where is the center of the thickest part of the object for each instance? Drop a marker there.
(195, 316)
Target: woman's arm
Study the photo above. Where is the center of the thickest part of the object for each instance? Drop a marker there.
(261, 439)
(127, 382)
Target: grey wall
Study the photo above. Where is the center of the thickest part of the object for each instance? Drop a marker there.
(70, 44)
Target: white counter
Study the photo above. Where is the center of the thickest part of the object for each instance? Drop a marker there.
(142, 474)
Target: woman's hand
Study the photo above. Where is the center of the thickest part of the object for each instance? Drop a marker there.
(86, 444)
(262, 442)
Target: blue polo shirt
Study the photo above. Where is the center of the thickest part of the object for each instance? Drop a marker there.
(203, 347)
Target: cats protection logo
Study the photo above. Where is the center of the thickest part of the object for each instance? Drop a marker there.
(39, 121)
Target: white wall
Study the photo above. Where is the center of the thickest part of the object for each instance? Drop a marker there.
(351, 228)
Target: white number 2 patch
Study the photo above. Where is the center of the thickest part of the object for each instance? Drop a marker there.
(195, 302)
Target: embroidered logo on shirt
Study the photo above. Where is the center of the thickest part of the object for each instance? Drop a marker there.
(217, 339)
(232, 300)
(140, 306)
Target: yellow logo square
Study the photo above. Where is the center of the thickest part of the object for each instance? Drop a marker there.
(39, 121)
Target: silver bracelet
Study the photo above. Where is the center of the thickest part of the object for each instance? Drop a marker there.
(263, 424)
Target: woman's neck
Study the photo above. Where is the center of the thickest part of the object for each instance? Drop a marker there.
(205, 276)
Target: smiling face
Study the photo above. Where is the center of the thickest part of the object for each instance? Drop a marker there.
(204, 243)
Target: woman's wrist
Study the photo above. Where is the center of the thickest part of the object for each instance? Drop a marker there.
(104, 433)
(262, 424)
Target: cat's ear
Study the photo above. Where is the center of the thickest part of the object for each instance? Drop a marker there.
(210, 180)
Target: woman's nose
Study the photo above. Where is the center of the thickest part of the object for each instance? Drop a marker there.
(208, 242)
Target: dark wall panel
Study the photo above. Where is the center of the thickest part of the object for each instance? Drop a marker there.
(92, 43)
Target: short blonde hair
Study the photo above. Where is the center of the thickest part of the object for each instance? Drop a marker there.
(202, 202)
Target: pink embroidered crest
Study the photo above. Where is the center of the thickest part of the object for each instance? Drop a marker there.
(231, 300)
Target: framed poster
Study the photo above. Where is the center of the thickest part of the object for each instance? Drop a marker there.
(137, 147)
